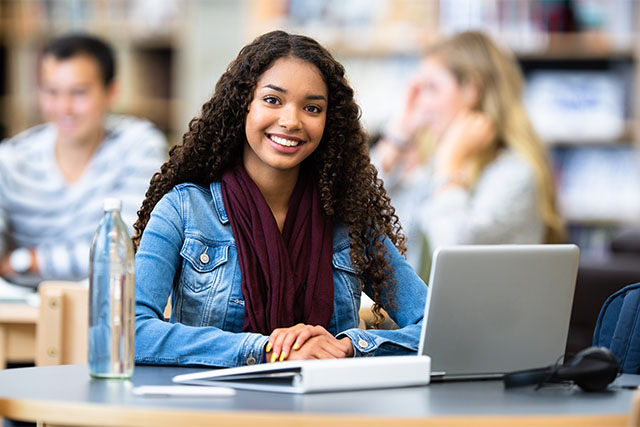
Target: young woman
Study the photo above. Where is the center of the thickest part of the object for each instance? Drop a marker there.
(268, 221)
(461, 161)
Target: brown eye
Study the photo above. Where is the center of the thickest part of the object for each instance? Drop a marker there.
(313, 109)
(271, 100)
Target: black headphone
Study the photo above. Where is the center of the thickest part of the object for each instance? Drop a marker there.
(592, 369)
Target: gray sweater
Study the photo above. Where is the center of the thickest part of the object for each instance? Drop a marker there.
(501, 208)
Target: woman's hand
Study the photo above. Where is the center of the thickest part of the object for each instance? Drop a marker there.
(397, 141)
(469, 134)
(323, 347)
(282, 340)
(303, 340)
(410, 119)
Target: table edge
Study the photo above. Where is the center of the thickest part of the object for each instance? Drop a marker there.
(106, 415)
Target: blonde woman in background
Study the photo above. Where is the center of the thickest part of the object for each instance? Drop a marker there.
(461, 160)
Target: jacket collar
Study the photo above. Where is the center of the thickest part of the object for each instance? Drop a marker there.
(216, 194)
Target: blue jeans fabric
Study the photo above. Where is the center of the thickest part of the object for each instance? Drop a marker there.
(188, 251)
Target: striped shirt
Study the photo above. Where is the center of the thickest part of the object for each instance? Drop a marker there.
(40, 209)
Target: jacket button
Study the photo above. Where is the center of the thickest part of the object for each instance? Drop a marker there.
(251, 360)
(204, 258)
(362, 343)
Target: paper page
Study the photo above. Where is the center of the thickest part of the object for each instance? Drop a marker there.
(10, 292)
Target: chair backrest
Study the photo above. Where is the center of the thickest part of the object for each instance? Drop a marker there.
(618, 327)
(63, 324)
(62, 334)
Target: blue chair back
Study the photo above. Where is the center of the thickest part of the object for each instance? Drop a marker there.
(618, 327)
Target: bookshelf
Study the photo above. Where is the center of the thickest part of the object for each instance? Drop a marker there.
(170, 56)
(144, 40)
(590, 49)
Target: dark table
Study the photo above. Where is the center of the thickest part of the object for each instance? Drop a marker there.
(66, 395)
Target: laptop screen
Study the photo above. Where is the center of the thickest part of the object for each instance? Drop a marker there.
(492, 309)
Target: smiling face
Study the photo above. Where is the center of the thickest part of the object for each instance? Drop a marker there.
(286, 117)
(74, 98)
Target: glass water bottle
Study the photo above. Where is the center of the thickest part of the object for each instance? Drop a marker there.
(111, 297)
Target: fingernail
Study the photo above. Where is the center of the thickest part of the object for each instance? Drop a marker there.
(268, 347)
(281, 357)
(273, 357)
(296, 346)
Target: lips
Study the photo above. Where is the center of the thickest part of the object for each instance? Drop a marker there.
(66, 123)
(286, 141)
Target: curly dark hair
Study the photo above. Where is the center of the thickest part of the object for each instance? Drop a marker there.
(349, 187)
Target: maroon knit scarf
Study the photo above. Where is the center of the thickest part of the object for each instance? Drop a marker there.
(287, 277)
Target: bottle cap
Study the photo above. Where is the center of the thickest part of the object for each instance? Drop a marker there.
(112, 204)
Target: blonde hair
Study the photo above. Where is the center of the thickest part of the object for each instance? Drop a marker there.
(473, 58)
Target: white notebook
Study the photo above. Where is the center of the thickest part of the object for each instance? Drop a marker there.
(10, 292)
(307, 376)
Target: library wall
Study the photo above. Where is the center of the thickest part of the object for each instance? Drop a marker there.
(581, 66)
(144, 38)
(580, 61)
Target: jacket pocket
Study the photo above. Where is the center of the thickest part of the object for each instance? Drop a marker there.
(200, 263)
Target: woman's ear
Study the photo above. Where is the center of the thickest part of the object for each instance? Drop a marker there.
(470, 95)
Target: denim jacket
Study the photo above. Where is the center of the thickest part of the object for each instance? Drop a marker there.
(188, 251)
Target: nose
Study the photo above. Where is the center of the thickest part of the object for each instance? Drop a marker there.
(290, 118)
(64, 104)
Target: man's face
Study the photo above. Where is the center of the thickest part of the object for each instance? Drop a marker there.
(74, 98)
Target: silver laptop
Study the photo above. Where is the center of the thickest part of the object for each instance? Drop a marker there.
(493, 309)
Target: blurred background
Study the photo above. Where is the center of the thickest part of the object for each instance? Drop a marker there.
(580, 60)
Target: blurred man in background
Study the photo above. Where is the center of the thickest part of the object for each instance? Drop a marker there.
(54, 176)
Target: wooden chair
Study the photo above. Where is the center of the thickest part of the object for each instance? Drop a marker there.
(634, 414)
(62, 334)
(367, 319)
(17, 332)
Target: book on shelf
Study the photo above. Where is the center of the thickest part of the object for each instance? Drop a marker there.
(584, 106)
(598, 183)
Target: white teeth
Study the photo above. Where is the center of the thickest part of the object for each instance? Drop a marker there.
(283, 141)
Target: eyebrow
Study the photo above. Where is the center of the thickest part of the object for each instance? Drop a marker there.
(279, 89)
